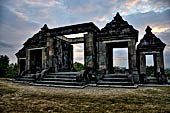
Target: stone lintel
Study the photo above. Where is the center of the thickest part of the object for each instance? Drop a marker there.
(116, 41)
(21, 58)
(72, 40)
(36, 48)
(150, 52)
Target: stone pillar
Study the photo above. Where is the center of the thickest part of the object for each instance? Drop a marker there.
(155, 64)
(50, 52)
(130, 53)
(90, 51)
(159, 61)
(160, 74)
(109, 61)
(43, 58)
(132, 60)
(162, 62)
(18, 67)
(27, 59)
(142, 67)
(102, 56)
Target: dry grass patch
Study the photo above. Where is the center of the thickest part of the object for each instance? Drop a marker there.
(19, 98)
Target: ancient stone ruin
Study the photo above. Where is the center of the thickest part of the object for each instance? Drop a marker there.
(47, 57)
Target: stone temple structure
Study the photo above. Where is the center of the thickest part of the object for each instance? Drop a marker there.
(47, 57)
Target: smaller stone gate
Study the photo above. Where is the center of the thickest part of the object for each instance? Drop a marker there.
(151, 45)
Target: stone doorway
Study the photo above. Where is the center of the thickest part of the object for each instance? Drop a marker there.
(35, 59)
(22, 63)
(110, 63)
(78, 53)
(150, 65)
(151, 45)
(120, 58)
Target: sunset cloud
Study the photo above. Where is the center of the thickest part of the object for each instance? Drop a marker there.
(21, 19)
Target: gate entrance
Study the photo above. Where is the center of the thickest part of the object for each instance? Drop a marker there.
(114, 58)
(120, 58)
(35, 59)
(150, 67)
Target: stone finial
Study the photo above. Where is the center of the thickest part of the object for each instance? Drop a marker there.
(117, 17)
(45, 27)
(148, 29)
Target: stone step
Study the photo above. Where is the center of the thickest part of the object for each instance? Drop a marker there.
(61, 83)
(64, 73)
(28, 75)
(152, 80)
(120, 74)
(60, 76)
(60, 86)
(115, 76)
(25, 79)
(116, 79)
(119, 86)
(60, 79)
(115, 83)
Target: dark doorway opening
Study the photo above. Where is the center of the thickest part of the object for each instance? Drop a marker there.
(36, 60)
(22, 65)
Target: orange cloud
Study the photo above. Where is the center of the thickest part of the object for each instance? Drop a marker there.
(159, 29)
(132, 3)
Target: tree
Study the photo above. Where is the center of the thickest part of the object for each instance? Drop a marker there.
(4, 65)
(78, 66)
(116, 68)
(150, 71)
(167, 72)
(12, 70)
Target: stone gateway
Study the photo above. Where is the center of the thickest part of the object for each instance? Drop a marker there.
(47, 57)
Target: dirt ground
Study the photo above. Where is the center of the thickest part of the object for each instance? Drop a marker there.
(15, 97)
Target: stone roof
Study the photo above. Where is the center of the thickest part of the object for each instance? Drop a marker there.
(119, 28)
(37, 38)
(73, 29)
(21, 53)
(150, 41)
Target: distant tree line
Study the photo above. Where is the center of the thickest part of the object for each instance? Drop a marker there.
(10, 70)
(6, 69)
(150, 71)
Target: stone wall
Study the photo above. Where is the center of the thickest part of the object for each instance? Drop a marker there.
(63, 56)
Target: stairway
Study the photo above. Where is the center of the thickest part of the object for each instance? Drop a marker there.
(61, 79)
(26, 78)
(119, 80)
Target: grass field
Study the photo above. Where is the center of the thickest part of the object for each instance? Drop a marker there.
(22, 98)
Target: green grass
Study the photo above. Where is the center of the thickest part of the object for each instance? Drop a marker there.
(19, 98)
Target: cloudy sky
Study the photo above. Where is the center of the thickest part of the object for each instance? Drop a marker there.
(20, 19)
